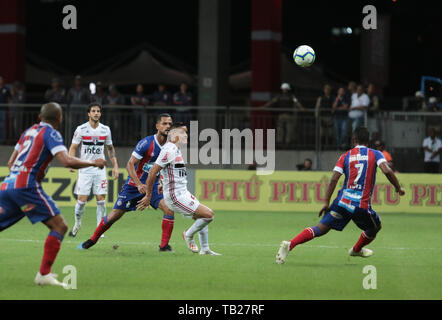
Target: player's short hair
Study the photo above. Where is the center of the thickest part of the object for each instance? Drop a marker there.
(163, 115)
(361, 135)
(50, 111)
(177, 125)
(94, 104)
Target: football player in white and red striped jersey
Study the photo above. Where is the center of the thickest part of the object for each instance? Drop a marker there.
(93, 137)
(176, 196)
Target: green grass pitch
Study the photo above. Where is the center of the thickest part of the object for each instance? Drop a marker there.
(407, 260)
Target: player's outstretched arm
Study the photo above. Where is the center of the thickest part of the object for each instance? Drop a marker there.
(329, 191)
(73, 152)
(12, 158)
(145, 201)
(391, 177)
(113, 158)
(130, 167)
(75, 163)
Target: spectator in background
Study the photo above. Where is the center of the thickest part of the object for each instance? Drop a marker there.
(5, 93)
(351, 88)
(161, 97)
(139, 99)
(306, 166)
(17, 93)
(100, 95)
(373, 108)
(286, 120)
(324, 103)
(114, 97)
(340, 114)
(55, 93)
(78, 95)
(358, 108)
(16, 112)
(5, 98)
(380, 146)
(433, 105)
(432, 149)
(182, 98)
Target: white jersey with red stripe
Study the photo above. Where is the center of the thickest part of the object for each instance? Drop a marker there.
(173, 170)
(92, 143)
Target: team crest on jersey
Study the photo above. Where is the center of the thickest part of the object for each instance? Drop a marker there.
(165, 157)
(95, 140)
(57, 136)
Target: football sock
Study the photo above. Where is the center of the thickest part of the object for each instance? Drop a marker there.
(51, 248)
(79, 210)
(198, 225)
(167, 227)
(363, 241)
(102, 227)
(101, 210)
(305, 235)
(204, 238)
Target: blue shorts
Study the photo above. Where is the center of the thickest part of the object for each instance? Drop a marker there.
(338, 217)
(32, 202)
(129, 196)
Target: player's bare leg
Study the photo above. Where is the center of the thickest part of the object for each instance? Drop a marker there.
(104, 225)
(203, 216)
(79, 211)
(167, 226)
(58, 228)
(306, 235)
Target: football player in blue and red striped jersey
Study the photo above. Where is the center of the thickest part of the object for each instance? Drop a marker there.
(141, 161)
(21, 193)
(354, 199)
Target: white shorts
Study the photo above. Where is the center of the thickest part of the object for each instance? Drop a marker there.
(182, 201)
(97, 182)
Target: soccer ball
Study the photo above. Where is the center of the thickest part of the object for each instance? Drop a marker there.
(304, 56)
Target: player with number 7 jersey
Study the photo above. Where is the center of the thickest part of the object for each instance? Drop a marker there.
(353, 201)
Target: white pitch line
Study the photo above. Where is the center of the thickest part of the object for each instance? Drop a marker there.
(222, 244)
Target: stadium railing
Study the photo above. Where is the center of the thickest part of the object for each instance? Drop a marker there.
(295, 130)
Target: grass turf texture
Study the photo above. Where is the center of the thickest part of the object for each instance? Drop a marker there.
(407, 259)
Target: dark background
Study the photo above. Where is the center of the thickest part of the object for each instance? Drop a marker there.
(106, 28)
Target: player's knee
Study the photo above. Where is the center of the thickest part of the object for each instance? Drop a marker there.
(210, 213)
(61, 227)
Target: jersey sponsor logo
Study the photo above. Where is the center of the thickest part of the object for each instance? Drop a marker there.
(92, 150)
(178, 159)
(358, 157)
(147, 167)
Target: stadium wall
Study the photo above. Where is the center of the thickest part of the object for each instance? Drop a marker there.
(239, 190)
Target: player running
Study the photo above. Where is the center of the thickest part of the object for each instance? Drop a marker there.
(21, 193)
(93, 136)
(354, 199)
(138, 167)
(173, 171)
